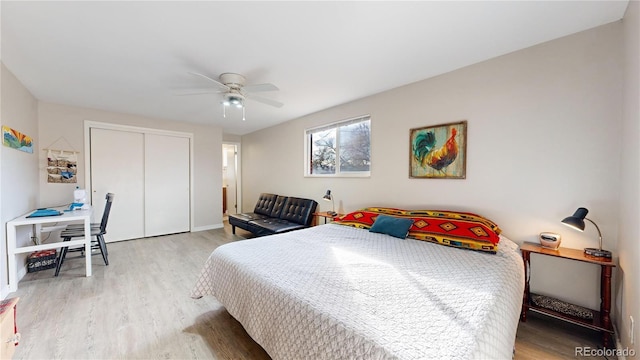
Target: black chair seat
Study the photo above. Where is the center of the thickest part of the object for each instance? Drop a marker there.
(79, 232)
(81, 226)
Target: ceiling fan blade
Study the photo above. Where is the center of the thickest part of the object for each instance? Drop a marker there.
(201, 92)
(260, 87)
(265, 100)
(221, 85)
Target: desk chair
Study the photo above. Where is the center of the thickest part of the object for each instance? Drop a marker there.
(72, 231)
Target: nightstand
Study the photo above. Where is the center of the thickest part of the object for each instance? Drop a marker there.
(601, 319)
(8, 330)
(325, 215)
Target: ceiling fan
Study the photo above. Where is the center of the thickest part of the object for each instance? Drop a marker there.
(234, 91)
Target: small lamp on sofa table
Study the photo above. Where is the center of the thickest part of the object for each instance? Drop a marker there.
(329, 197)
(576, 221)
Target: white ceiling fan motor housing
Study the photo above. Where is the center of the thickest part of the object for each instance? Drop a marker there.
(232, 80)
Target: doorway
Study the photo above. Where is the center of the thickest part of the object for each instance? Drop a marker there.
(231, 179)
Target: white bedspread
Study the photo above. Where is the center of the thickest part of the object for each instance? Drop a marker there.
(336, 292)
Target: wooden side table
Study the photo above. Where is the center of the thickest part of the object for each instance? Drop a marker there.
(8, 331)
(601, 319)
(325, 215)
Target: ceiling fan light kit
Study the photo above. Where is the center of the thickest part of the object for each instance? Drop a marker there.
(235, 100)
(234, 92)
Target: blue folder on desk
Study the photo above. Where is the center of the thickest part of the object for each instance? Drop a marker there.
(44, 212)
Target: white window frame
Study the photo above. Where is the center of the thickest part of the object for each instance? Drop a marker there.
(336, 125)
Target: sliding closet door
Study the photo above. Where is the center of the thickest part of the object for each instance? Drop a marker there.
(117, 166)
(166, 184)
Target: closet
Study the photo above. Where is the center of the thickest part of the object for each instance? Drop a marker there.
(149, 173)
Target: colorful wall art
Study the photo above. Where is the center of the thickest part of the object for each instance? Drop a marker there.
(16, 140)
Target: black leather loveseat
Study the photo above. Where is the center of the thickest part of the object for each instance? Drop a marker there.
(275, 214)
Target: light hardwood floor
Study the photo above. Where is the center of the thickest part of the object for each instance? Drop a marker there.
(139, 308)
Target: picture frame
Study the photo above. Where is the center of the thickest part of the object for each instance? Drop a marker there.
(438, 151)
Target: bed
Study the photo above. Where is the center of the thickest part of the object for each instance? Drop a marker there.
(341, 292)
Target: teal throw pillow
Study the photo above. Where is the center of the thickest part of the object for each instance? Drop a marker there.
(396, 227)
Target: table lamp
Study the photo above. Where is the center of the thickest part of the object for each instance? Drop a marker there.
(576, 221)
(329, 197)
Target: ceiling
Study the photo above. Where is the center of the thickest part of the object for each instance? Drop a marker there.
(134, 57)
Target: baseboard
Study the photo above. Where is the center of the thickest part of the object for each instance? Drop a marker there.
(618, 343)
(4, 289)
(207, 227)
(22, 272)
(619, 350)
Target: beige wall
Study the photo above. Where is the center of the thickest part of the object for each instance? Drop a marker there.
(231, 138)
(628, 287)
(19, 170)
(544, 128)
(67, 122)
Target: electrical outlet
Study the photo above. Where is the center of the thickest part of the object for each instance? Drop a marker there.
(631, 328)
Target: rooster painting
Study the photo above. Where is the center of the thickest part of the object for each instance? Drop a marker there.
(431, 160)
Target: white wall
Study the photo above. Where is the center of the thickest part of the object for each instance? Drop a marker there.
(544, 129)
(57, 121)
(628, 286)
(19, 170)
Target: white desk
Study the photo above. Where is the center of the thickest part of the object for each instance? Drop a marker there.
(70, 216)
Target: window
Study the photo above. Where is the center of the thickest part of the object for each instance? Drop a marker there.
(339, 149)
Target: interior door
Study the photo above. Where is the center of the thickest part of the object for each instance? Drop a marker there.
(229, 179)
(166, 186)
(117, 166)
(231, 176)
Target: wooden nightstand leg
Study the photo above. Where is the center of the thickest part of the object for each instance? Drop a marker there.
(605, 302)
(525, 295)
